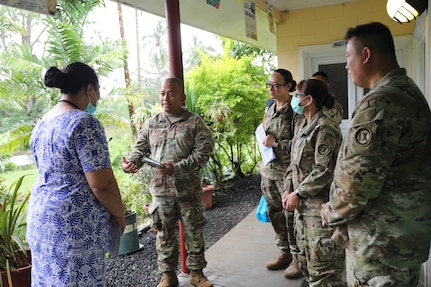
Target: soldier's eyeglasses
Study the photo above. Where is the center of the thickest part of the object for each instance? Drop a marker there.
(275, 86)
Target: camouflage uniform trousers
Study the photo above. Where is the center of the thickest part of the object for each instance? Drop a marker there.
(391, 276)
(321, 260)
(165, 215)
(281, 220)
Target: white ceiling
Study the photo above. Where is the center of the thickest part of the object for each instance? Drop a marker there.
(228, 20)
(286, 5)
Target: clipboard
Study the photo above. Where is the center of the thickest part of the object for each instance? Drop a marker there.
(153, 162)
(114, 243)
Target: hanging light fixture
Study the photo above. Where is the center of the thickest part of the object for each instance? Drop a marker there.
(405, 10)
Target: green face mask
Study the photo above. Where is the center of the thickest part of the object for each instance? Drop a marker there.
(90, 107)
(294, 103)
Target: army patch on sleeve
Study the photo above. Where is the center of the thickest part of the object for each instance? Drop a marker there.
(364, 136)
(324, 149)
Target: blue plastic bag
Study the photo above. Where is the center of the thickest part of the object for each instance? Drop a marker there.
(262, 210)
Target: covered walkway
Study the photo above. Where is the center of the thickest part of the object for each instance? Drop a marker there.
(238, 259)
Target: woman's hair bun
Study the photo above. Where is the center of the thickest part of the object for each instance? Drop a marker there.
(54, 77)
(293, 87)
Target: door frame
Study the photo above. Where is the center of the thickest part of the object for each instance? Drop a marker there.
(311, 56)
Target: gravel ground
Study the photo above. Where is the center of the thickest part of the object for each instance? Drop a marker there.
(232, 203)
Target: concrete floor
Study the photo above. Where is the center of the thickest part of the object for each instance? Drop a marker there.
(238, 259)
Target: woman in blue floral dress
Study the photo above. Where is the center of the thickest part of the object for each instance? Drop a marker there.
(75, 200)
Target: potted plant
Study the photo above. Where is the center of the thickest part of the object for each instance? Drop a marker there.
(207, 197)
(132, 197)
(207, 188)
(15, 262)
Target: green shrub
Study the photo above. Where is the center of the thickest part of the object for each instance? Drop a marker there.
(12, 226)
(134, 188)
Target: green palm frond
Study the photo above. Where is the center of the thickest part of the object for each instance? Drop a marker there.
(106, 57)
(64, 44)
(143, 113)
(21, 73)
(6, 24)
(19, 138)
(75, 12)
(9, 104)
(111, 120)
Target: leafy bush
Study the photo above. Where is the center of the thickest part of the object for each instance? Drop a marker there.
(134, 188)
(7, 165)
(12, 226)
(230, 96)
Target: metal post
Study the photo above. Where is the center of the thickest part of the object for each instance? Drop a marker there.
(172, 9)
(174, 38)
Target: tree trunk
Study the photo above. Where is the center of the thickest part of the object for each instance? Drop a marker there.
(126, 72)
(138, 50)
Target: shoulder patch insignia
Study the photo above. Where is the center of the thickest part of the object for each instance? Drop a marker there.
(364, 136)
(323, 149)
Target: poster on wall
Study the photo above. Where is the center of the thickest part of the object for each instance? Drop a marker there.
(270, 18)
(214, 3)
(48, 7)
(250, 19)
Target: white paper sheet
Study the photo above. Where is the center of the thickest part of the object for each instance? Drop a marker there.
(266, 151)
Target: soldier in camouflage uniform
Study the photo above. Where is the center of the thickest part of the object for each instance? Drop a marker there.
(314, 150)
(380, 198)
(277, 124)
(336, 112)
(183, 143)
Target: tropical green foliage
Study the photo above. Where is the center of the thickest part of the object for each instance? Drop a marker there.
(19, 138)
(261, 57)
(230, 95)
(21, 68)
(133, 187)
(20, 83)
(12, 225)
(18, 25)
(227, 91)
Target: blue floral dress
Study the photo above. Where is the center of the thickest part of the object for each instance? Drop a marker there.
(67, 227)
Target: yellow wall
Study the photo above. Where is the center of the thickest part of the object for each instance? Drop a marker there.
(326, 24)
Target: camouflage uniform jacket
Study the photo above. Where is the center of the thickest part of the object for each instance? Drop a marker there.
(335, 113)
(186, 142)
(382, 180)
(314, 151)
(278, 124)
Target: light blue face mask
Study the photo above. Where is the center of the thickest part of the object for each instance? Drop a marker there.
(294, 103)
(90, 107)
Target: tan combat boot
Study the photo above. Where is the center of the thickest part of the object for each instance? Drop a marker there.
(281, 261)
(293, 271)
(197, 278)
(169, 279)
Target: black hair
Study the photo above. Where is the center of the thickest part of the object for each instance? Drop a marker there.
(287, 76)
(300, 86)
(178, 82)
(319, 91)
(72, 78)
(375, 36)
(321, 74)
